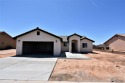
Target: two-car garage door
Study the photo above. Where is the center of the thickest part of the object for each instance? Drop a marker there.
(38, 48)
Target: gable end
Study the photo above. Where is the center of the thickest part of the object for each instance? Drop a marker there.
(39, 30)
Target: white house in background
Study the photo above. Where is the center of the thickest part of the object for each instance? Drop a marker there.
(38, 41)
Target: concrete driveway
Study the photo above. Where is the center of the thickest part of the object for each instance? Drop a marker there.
(76, 56)
(18, 68)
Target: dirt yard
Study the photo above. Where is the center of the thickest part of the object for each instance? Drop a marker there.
(102, 67)
(7, 53)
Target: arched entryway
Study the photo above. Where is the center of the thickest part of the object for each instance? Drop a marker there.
(74, 46)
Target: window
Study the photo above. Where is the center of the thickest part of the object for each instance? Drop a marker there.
(38, 33)
(84, 45)
(65, 44)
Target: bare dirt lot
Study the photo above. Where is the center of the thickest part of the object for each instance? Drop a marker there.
(102, 67)
(7, 53)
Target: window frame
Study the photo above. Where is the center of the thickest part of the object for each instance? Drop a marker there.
(65, 44)
(84, 45)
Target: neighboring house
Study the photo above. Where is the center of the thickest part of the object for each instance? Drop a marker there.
(100, 46)
(116, 43)
(38, 41)
(6, 41)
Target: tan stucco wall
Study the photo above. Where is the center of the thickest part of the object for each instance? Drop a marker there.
(7, 41)
(64, 48)
(42, 37)
(117, 43)
(74, 37)
(89, 44)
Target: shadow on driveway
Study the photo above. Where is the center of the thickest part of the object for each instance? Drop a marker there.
(62, 55)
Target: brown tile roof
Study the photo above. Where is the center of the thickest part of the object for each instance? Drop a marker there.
(3, 32)
(65, 38)
(123, 35)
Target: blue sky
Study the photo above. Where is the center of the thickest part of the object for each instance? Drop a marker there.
(96, 19)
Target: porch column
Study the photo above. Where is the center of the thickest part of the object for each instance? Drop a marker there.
(78, 45)
(70, 47)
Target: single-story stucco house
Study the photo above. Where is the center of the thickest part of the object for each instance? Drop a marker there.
(116, 43)
(38, 41)
(6, 41)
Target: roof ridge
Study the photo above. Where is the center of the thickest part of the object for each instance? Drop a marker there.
(37, 28)
(2, 31)
(63, 36)
(120, 34)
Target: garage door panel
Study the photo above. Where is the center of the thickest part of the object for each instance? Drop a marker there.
(38, 48)
(27, 48)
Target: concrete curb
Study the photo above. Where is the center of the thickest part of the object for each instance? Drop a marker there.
(18, 81)
(53, 69)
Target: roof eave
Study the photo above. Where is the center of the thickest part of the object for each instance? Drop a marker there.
(88, 39)
(34, 30)
(74, 34)
(110, 38)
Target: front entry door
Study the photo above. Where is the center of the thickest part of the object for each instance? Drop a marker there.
(74, 47)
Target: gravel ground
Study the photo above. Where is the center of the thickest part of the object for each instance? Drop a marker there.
(103, 67)
(7, 53)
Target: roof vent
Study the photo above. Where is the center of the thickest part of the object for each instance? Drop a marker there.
(38, 32)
